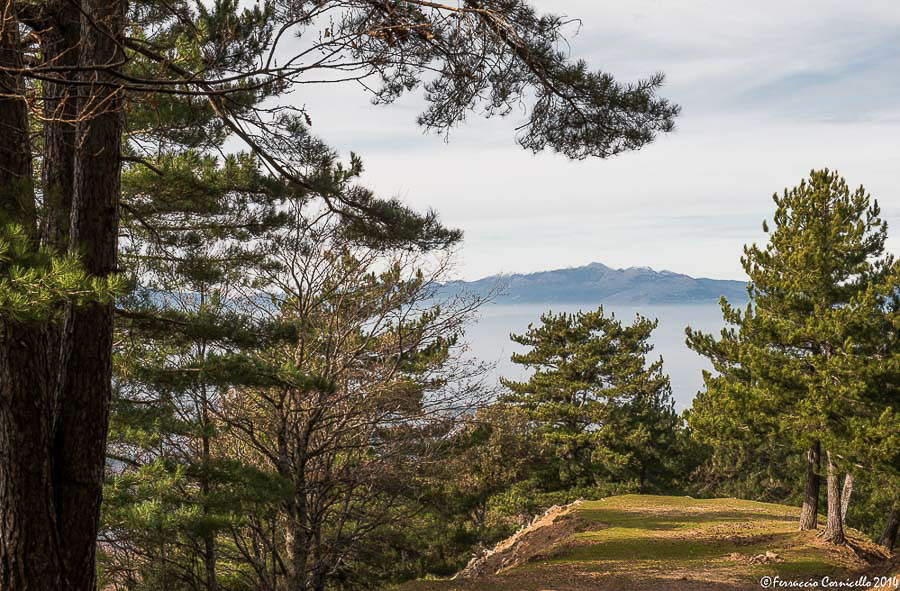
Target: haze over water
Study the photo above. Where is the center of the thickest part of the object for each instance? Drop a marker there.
(489, 338)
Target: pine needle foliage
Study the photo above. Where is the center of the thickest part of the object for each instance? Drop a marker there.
(599, 411)
(814, 356)
(35, 280)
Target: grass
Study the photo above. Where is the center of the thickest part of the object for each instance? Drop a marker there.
(656, 542)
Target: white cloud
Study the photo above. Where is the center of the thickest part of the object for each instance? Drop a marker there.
(769, 91)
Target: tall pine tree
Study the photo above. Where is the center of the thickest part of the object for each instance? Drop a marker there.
(600, 412)
(812, 360)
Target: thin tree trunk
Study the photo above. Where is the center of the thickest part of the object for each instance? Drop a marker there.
(809, 514)
(317, 575)
(274, 553)
(846, 493)
(59, 46)
(29, 548)
(888, 536)
(297, 554)
(834, 526)
(86, 352)
(209, 540)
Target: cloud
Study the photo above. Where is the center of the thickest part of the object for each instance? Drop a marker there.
(769, 90)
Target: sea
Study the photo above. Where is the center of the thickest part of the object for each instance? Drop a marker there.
(488, 338)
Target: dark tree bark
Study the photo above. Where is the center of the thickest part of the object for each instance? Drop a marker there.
(846, 493)
(86, 355)
(809, 514)
(17, 204)
(29, 549)
(888, 536)
(60, 24)
(297, 548)
(834, 525)
(60, 36)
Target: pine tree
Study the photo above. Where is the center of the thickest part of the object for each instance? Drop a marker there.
(811, 359)
(601, 413)
(735, 427)
(346, 414)
(183, 333)
(192, 221)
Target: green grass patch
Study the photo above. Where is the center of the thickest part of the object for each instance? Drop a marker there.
(664, 538)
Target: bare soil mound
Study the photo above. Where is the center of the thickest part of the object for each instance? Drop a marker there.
(555, 525)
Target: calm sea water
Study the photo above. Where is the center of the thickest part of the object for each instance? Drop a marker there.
(489, 337)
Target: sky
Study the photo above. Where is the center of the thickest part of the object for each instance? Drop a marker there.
(769, 90)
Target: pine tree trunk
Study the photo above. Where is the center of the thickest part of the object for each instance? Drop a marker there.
(809, 514)
(210, 560)
(86, 351)
(29, 548)
(297, 554)
(888, 536)
(209, 541)
(846, 493)
(59, 40)
(834, 526)
(59, 46)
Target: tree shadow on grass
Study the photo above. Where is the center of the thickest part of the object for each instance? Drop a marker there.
(696, 548)
(613, 518)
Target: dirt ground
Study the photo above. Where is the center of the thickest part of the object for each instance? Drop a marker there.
(537, 539)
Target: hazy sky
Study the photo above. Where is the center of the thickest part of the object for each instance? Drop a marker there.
(768, 89)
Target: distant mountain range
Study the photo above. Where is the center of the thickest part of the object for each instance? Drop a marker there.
(598, 283)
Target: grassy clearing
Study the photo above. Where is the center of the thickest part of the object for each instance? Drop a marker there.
(653, 542)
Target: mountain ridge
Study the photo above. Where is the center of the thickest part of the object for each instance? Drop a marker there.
(598, 282)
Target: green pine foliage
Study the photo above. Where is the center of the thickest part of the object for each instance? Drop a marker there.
(193, 219)
(35, 281)
(600, 413)
(200, 225)
(814, 355)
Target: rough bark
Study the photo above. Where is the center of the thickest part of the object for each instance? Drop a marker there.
(809, 514)
(834, 525)
(17, 204)
(59, 47)
(846, 493)
(86, 354)
(60, 25)
(888, 537)
(29, 548)
(61, 34)
(297, 553)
